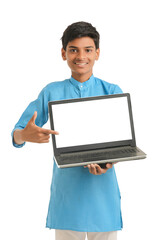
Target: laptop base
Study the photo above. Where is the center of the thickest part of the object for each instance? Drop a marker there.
(101, 156)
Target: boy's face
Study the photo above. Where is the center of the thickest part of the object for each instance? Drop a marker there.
(81, 54)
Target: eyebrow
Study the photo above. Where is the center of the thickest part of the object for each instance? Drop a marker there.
(84, 47)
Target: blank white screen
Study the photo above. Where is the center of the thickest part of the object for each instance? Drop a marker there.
(90, 122)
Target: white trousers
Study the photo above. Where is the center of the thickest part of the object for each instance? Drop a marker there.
(74, 235)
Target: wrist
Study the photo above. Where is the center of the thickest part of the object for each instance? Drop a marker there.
(18, 136)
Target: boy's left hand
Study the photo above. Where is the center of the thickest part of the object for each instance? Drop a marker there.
(97, 170)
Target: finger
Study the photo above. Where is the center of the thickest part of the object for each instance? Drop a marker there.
(93, 169)
(48, 131)
(43, 136)
(33, 118)
(89, 167)
(109, 165)
(99, 169)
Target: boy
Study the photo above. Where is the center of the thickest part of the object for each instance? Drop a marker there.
(83, 200)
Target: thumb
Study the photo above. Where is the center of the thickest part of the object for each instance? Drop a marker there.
(33, 118)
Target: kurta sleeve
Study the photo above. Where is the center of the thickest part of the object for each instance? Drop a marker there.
(41, 106)
(117, 90)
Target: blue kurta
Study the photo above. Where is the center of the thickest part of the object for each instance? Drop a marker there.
(79, 201)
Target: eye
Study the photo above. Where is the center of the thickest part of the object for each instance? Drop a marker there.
(73, 50)
(88, 50)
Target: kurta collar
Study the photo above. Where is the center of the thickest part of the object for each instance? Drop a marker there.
(84, 84)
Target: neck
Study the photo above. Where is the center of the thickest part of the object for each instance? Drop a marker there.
(81, 78)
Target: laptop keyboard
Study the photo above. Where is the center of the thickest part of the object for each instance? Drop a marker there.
(100, 154)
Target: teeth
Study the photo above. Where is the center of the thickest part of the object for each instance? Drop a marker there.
(80, 63)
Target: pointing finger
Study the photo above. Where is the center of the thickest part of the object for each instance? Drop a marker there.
(48, 131)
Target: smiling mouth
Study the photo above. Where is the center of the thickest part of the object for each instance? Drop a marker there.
(81, 64)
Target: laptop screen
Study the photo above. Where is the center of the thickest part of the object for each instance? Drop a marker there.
(91, 122)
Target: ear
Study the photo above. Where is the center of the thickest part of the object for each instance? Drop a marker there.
(97, 53)
(63, 52)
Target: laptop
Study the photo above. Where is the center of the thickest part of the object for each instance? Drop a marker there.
(93, 130)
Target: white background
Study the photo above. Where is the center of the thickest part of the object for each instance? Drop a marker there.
(30, 58)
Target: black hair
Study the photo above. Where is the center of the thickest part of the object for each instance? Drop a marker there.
(78, 30)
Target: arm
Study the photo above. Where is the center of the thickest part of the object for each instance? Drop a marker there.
(29, 126)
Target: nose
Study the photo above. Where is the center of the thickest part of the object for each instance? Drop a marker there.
(81, 55)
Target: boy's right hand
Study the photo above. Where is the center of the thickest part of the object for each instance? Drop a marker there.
(33, 133)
